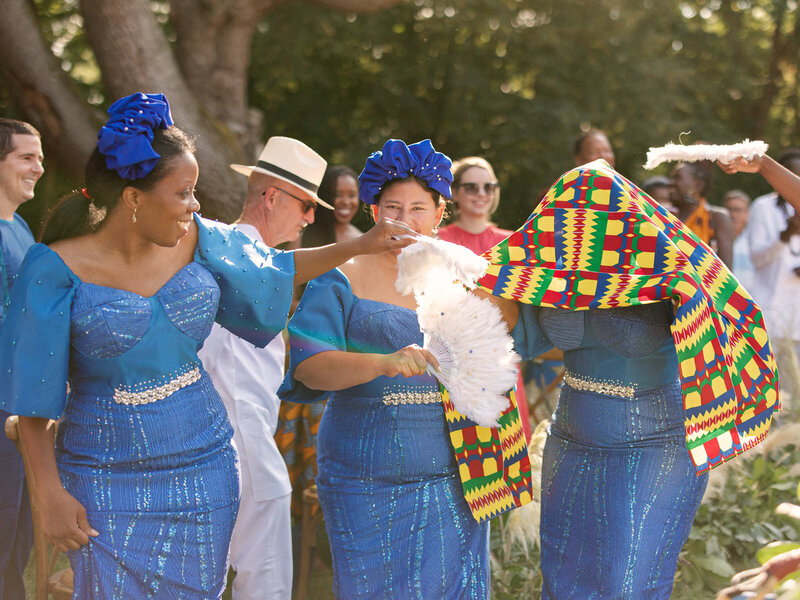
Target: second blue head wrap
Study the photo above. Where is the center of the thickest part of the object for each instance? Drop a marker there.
(397, 161)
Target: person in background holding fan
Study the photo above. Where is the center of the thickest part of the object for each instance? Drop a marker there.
(395, 511)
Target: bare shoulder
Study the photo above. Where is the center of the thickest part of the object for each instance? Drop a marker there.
(719, 214)
(353, 269)
(718, 210)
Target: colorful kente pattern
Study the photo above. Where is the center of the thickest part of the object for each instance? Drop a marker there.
(598, 241)
(493, 462)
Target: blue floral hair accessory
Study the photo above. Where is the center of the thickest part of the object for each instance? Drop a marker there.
(398, 161)
(127, 137)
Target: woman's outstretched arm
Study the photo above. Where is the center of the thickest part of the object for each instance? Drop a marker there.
(385, 236)
(782, 180)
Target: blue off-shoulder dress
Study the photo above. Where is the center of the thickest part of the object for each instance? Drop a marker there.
(144, 441)
(388, 483)
(619, 491)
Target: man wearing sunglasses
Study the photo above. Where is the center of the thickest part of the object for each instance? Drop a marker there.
(281, 200)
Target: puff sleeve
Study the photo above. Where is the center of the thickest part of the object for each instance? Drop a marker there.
(35, 337)
(256, 282)
(319, 324)
(529, 338)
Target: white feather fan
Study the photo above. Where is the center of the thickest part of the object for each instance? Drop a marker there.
(723, 153)
(465, 333)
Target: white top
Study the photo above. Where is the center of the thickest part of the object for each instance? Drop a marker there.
(776, 287)
(247, 379)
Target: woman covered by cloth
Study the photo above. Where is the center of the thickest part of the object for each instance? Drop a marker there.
(395, 511)
(665, 352)
(142, 487)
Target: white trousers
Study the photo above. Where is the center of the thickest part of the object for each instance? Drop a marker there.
(261, 548)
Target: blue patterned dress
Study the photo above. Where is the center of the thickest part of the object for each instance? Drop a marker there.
(619, 491)
(395, 513)
(144, 441)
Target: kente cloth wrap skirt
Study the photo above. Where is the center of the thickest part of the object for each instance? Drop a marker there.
(619, 493)
(132, 463)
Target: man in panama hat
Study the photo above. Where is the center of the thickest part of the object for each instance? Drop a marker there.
(281, 200)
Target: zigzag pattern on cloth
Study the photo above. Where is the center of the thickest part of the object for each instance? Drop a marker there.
(598, 241)
(492, 462)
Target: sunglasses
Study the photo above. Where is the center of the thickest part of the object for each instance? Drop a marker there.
(473, 189)
(308, 205)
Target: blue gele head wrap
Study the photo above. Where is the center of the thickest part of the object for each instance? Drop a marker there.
(127, 137)
(399, 161)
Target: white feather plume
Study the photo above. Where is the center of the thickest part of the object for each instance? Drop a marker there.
(723, 153)
(428, 255)
(465, 333)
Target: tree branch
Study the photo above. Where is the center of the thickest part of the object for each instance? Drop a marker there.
(134, 56)
(43, 92)
(354, 6)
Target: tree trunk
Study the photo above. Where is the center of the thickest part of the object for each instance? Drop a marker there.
(213, 50)
(43, 92)
(134, 55)
(354, 6)
(205, 81)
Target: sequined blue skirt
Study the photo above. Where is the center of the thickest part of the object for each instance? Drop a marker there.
(619, 494)
(395, 514)
(160, 483)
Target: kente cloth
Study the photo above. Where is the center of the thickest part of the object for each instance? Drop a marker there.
(699, 222)
(493, 462)
(296, 437)
(598, 241)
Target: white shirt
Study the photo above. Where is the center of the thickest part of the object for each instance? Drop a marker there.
(247, 379)
(776, 288)
(742, 265)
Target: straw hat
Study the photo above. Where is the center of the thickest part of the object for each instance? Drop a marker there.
(292, 161)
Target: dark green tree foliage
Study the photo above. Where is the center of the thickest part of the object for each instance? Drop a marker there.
(516, 81)
(512, 80)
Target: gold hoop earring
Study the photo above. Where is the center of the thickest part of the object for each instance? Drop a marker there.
(133, 217)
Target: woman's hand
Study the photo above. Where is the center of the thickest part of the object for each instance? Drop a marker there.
(742, 165)
(65, 524)
(408, 361)
(763, 579)
(385, 236)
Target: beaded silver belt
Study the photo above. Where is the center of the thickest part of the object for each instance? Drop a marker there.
(609, 387)
(411, 397)
(153, 390)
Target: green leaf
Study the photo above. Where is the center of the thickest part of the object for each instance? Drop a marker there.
(715, 564)
(773, 549)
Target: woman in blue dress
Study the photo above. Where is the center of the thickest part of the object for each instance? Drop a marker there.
(103, 331)
(388, 482)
